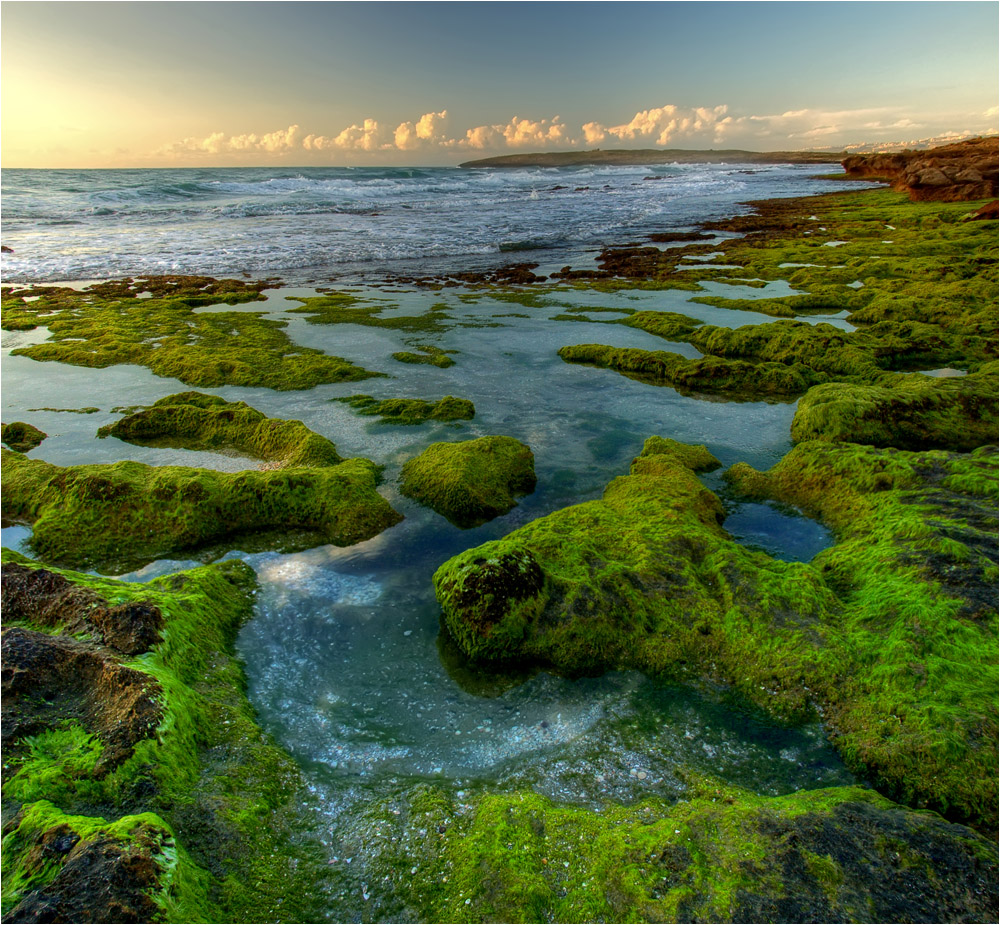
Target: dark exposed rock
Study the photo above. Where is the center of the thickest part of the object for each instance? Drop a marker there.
(48, 680)
(670, 237)
(4, 249)
(103, 879)
(513, 274)
(964, 171)
(989, 212)
(49, 600)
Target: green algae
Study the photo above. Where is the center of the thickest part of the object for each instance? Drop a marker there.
(216, 784)
(432, 356)
(470, 482)
(343, 308)
(922, 298)
(196, 421)
(106, 324)
(915, 568)
(408, 411)
(646, 578)
(20, 436)
(913, 412)
(722, 855)
(120, 516)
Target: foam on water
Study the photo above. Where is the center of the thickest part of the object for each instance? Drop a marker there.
(303, 224)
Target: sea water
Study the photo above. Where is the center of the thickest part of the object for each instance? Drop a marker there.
(345, 660)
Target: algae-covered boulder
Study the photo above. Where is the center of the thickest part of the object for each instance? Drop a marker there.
(891, 634)
(841, 854)
(915, 412)
(473, 481)
(86, 869)
(194, 420)
(21, 436)
(122, 515)
(412, 410)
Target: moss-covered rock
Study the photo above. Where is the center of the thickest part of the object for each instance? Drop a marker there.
(122, 515)
(723, 855)
(430, 356)
(912, 412)
(412, 410)
(891, 634)
(21, 436)
(62, 868)
(197, 421)
(470, 482)
(197, 820)
(107, 323)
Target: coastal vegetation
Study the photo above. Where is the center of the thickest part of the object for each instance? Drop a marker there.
(21, 436)
(412, 410)
(470, 482)
(153, 322)
(890, 635)
(122, 515)
(139, 786)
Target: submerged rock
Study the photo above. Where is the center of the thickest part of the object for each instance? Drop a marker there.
(470, 482)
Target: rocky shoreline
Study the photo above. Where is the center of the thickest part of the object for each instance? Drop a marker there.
(138, 786)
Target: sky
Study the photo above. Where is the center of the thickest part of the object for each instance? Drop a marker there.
(147, 84)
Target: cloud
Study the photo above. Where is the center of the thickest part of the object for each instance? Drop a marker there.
(428, 131)
(661, 126)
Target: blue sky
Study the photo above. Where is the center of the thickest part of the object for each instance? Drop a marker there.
(144, 84)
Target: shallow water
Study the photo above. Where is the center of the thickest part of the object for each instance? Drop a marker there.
(344, 659)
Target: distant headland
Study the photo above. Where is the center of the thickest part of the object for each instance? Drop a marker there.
(620, 157)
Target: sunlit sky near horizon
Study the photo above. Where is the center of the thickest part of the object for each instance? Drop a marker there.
(136, 84)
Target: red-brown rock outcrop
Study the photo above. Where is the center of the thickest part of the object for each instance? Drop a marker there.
(963, 171)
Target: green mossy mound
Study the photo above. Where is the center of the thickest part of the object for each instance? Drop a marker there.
(431, 356)
(724, 855)
(412, 410)
(913, 412)
(199, 822)
(891, 634)
(109, 323)
(471, 482)
(21, 436)
(197, 421)
(120, 516)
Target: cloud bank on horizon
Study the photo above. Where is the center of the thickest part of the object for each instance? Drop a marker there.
(433, 135)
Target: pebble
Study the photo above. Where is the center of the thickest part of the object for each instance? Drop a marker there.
(408, 633)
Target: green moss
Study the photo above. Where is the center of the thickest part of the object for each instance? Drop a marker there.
(197, 421)
(343, 308)
(432, 356)
(106, 324)
(722, 855)
(646, 578)
(123, 515)
(912, 412)
(21, 436)
(218, 786)
(412, 410)
(34, 857)
(470, 482)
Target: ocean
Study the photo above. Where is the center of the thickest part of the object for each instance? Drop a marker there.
(311, 225)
